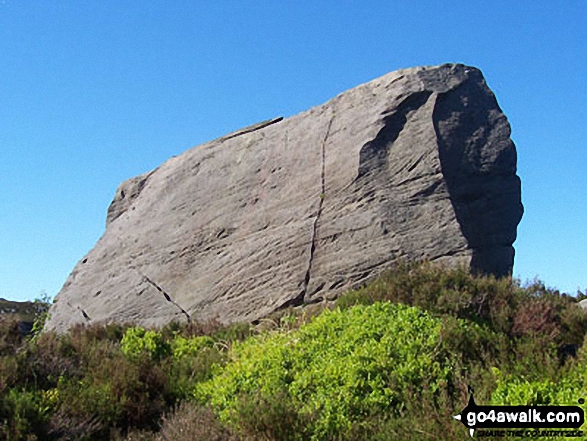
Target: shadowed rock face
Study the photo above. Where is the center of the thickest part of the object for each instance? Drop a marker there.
(416, 165)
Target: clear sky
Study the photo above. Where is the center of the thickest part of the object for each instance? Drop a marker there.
(95, 92)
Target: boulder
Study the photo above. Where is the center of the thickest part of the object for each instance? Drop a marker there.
(415, 165)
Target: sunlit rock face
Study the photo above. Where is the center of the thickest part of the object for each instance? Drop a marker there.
(415, 165)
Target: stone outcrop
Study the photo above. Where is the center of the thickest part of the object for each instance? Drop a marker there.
(416, 165)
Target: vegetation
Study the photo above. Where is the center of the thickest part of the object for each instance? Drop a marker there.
(392, 360)
(29, 315)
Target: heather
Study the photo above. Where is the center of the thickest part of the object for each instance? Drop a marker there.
(392, 360)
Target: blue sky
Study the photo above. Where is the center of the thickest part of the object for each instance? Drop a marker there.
(95, 92)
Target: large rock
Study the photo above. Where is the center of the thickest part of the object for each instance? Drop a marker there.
(416, 165)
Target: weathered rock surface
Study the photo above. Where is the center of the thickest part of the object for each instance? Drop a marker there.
(415, 165)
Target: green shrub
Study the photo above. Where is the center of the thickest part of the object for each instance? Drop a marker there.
(533, 313)
(41, 307)
(563, 386)
(443, 291)
(119, 392)
(193, 361)
(138, 341)
(519, 390)
(24, 414)
(182, 347)
(343, 366)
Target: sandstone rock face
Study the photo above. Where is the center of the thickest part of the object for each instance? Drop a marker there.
(416, 165)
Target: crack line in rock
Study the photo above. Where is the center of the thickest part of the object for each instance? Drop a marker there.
(167, 296)
(86, 316)
(319, 213)
(252, 128)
